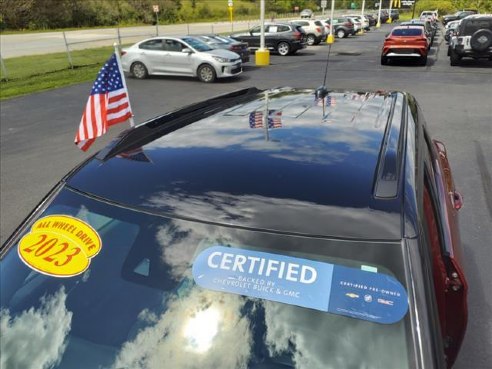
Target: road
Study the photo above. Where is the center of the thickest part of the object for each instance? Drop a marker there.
(37, 132)
(52, 42)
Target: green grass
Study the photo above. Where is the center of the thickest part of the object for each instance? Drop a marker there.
(28, 74)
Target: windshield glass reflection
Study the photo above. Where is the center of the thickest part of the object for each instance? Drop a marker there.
(137, 306)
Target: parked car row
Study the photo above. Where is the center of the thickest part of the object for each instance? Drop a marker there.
(211, 56)
(282, 38)
(469, 37)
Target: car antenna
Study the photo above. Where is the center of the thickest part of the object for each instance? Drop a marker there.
(322, 91)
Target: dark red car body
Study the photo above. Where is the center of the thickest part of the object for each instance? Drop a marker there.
(405, 42)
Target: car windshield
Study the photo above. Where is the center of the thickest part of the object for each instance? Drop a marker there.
(196, 44)
(407, 32)
(138, 304)
(224, 39)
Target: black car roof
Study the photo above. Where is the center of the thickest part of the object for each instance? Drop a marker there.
(328, 171)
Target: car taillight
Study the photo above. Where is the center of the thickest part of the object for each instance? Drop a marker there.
(318, 29)
(235, 47)
(297, 35)
(348, 24)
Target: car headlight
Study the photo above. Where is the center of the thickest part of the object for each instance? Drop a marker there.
(221, 59)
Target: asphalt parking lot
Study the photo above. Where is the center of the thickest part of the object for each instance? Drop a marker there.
(37, 133)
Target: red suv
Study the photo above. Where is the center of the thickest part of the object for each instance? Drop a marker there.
(405, 42)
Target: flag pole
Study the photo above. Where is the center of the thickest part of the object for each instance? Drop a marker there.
(265, 117)
(117, 53)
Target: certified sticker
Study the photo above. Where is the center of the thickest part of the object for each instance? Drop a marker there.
(337, 289)
(59, 246)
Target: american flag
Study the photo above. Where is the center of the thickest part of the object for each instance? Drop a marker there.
(136, 154)
(108, 104)
(274, 119)
(328, 101)
(331, 101)
(256, 119)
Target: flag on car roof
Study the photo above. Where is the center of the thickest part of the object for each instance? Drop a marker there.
(256, 119)
(108, 104)
(136, 154)
(328, 101)
(274, 119)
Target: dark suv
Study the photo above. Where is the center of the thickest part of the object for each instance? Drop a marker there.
(287, 228)
(343, 26)
(457, 16)
(283, 38)
(473, 39)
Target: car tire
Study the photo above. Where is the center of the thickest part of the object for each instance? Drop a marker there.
(341, 33)
(384, 60)
(206, 73)
(139, 70)
(481, 40)
(283, 48)
(454, 59)
(310, 39)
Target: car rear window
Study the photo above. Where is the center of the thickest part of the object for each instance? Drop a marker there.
(139, 304)
(407, 32)
(473, 25)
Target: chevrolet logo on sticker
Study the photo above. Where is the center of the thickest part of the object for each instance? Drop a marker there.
(352, 295)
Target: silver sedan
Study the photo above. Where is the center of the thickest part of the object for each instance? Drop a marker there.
(179, 56)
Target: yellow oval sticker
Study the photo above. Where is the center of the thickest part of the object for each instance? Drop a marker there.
(59, 246)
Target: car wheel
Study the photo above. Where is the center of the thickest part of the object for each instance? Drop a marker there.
(206, 73)
(481, 40)
(311, 40)
(139, 70)
(340, 33)
(283, 48)
(454, 59)
(384, 60)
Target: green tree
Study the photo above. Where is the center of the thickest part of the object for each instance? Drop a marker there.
(16, 14)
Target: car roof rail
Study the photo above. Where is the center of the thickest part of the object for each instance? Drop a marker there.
(154, 128)
(390, 163)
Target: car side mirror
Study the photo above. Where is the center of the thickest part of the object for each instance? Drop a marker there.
(187, 50)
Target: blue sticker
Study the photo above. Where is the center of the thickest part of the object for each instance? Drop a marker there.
(312, 284)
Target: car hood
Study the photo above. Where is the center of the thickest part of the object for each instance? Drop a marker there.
(223, 53)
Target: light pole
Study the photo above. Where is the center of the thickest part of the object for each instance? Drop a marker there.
(362, 17)
(262, 55)
(378, 25)
(330, 38)
(389, 11)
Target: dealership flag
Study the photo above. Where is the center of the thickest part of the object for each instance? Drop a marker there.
(108, 104)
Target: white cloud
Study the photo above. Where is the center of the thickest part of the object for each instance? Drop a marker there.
(36, 338)
(326, 341)
(203, 330)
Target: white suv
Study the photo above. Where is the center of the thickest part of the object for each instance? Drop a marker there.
(473, 39)
(315, 30)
